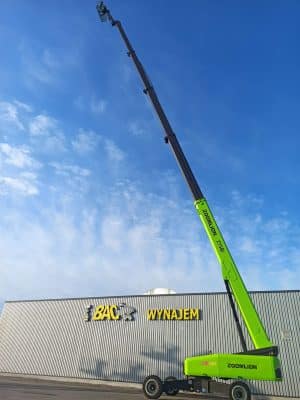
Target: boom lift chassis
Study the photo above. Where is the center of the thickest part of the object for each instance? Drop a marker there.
(201, 371)
(154, 387)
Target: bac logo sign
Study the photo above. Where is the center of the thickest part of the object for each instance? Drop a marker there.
(113, 312)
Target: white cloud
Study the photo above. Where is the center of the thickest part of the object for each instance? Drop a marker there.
(9, 113)
(46, 134)
(249, 198)
(42, 125)
(55, 142)
(94, 105)
(94, 250)
(114, 153)
(47, 65)
(277, 225)
(50, 59)
(67, 170)
(98, 106)
(248, 245)
(23, 106)
(24, 185)
(18, 156)
(136, 129)
(31, 176)
(85, 141)
(261, 245)
(34, 66)
(148, 241)
(41, 65)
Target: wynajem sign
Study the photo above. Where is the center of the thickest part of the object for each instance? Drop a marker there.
(125, 312)
(171, 314)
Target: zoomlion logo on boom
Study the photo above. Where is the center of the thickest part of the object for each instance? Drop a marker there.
(210, 223)
(244, 366)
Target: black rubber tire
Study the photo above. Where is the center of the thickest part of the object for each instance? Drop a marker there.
(152, 387)
(174, 391)
(239, 391)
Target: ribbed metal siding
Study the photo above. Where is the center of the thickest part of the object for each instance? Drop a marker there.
(51, 337)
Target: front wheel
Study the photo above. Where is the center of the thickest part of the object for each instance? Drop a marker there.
(239, 391)
(152, 387)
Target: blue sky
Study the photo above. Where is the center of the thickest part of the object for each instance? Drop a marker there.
(92, 202)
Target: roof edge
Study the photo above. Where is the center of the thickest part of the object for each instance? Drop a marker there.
(148, 295)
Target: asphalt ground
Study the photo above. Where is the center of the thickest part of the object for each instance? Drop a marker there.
(15, 388)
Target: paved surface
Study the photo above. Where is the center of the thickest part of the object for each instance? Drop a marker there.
(34, 389)
(24, 388)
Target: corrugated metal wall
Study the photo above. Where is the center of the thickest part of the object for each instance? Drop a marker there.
(51, 337)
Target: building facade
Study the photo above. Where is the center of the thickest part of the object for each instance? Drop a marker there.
(127, 338)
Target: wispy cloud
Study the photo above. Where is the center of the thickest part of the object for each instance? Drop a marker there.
(107, 243)
(18, 156)
(75, 179)
(248, 245)
(261, 245)
(34, 65)
(240, 200)
(55, 143)
(46, 65)
(23, 106)
(114, 153)
(85, 141)
(18, 165)
(42, 125)
(91, 104)
(112, 242)
(9, 113)
(98, 106)
(46, 133)
(50, 60)
(82, 235)
(25, 185)
(67, 170)
(136, 128)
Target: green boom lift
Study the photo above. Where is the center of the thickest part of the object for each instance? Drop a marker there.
(260, 363)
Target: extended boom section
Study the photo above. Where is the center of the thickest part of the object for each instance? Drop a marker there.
(259, 364)
(231, 275)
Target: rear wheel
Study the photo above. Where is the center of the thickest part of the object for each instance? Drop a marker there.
(172, 391)
(152, 387)
(239, 391)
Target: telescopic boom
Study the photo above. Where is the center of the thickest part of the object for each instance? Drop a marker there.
(233, 281)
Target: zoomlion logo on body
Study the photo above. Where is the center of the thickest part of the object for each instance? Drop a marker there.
(210, 223)
(244, 366)
(112, 312)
